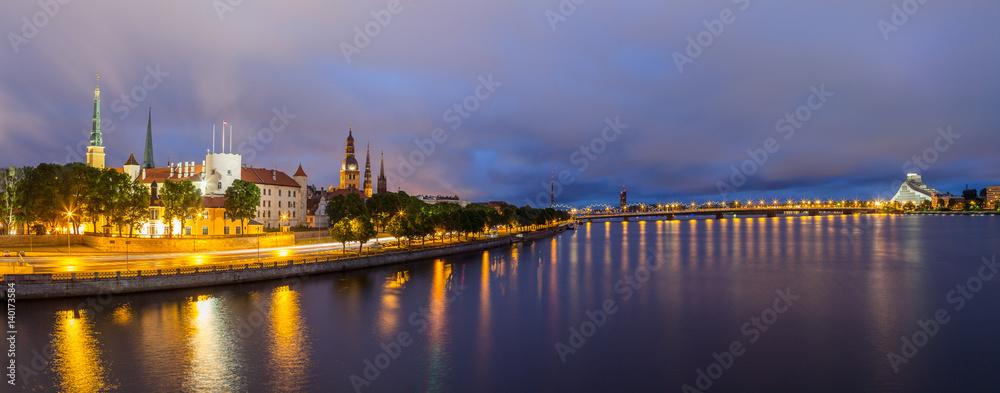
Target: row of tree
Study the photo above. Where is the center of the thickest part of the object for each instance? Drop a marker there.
(402, 216)
(51, 196)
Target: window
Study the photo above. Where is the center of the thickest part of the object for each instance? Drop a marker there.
(187, 231)
(279, 192)
(213, 171)
(279, 202)
(226, 216)
(220, 185)
(225, 230)
(154, 214)
(204, 230)
(204, 215)
(238, 230)
(229, 172)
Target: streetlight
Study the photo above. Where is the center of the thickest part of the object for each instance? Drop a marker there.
(69, 217)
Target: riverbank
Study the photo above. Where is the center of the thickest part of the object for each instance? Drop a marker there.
(42, 286)
(954, 213)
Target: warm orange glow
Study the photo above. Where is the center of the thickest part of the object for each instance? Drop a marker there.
(78, 357)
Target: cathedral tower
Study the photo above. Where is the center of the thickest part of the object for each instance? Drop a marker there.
(349, 171)
(95, 152)
(368, 171)
(381, 176)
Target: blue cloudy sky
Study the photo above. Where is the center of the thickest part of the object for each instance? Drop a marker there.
(690, 93)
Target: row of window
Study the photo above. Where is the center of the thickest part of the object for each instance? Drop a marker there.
(264, 203)
(291, 193)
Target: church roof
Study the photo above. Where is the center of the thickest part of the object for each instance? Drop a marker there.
(268, 176)
(299, 172)
(131, 160)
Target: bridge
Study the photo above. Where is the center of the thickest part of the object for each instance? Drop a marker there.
(670, 212)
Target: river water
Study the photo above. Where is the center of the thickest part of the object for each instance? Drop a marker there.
(787, 304)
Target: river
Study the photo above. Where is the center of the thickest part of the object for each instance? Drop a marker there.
(787, 304)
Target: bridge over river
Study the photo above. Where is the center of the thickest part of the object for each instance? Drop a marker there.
(718, 212)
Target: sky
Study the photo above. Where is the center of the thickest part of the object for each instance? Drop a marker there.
(497, 100)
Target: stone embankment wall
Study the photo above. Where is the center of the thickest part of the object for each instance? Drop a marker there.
(37, 286)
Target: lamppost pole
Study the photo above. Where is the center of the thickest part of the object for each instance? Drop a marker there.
(69, 217)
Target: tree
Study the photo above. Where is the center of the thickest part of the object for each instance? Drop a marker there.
(381, 208)
(10, 187)
(362, 231)
(39, 199)
(242, 199)
(342, 232)
(181, 199)
(135, 203)
(348, 206)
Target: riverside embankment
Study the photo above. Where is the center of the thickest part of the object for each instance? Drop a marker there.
(41, 286)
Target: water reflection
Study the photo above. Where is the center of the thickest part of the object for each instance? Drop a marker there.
(213, 361)
(289, 347)
(78, 355)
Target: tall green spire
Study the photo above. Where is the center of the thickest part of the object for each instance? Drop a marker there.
(147, 158)
(95, 131)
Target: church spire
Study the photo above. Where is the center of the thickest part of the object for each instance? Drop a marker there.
(381, 175)
(95, 131)
(95, 152)
(368, 171)
(147, 157)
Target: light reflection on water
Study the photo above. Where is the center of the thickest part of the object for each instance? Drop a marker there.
(213, 360)
(78, 361)
(289, 348)
(863, 284)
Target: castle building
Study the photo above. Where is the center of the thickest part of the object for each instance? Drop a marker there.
(368, 171)
(95, 152)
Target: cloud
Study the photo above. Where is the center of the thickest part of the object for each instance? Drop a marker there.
(606, 59)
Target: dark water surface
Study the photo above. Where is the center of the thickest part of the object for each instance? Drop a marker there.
(683, 297)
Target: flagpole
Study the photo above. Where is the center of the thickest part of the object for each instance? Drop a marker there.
(213, 138)
(223, 137)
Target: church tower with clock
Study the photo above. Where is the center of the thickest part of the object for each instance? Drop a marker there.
(349, 171)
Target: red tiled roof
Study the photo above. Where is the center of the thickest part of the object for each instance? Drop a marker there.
(268, 177)
(300, 172)
(210, 202)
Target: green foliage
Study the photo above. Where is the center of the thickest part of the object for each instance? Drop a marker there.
(341, 232)
(10, 187)
(382, 207)
(348, 206)
(362, 231)
(181, 199)
(242, 199)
